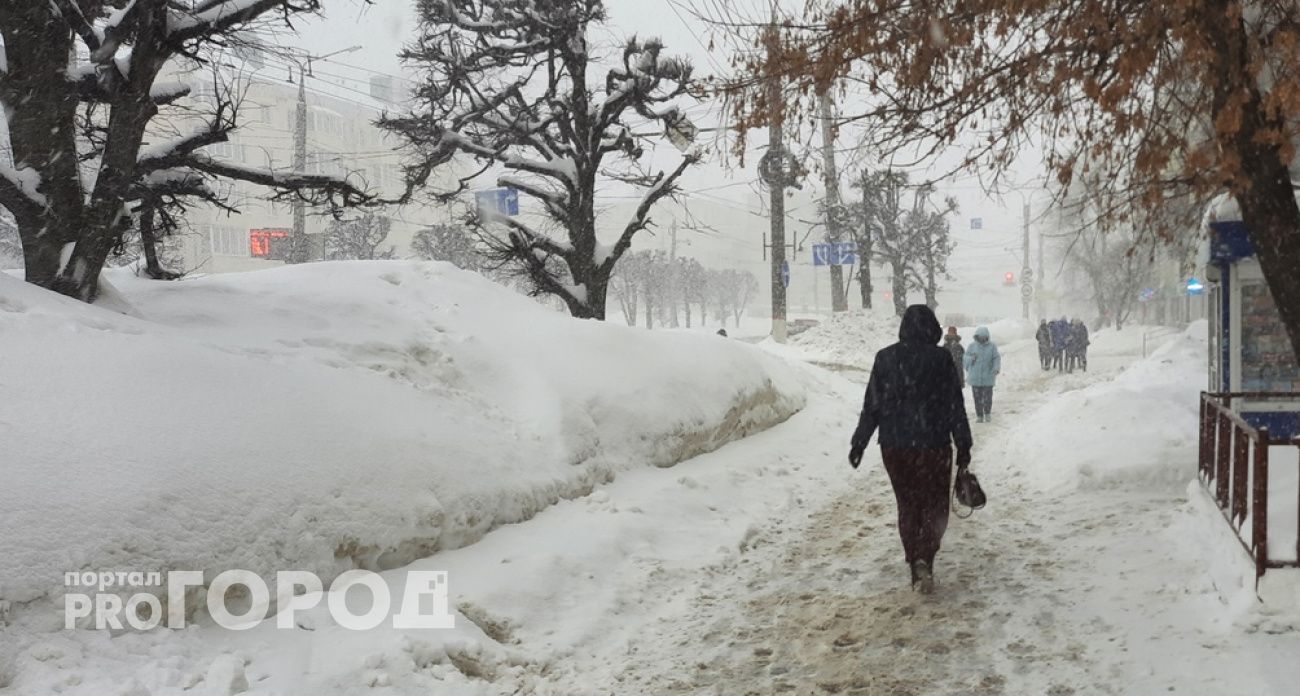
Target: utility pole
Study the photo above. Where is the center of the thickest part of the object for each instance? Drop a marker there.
(1026, 273)
(1040, 279)
(831, 180)
(776, 169)
(298, 248)
(298, 240)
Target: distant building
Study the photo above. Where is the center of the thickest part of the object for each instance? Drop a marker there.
(342, 140)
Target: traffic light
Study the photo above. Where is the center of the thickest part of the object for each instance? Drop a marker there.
(1009, 278)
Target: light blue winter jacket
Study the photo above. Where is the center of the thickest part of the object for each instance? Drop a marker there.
(982, 361)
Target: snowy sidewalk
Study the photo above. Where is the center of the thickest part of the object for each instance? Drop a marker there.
(1079, 593)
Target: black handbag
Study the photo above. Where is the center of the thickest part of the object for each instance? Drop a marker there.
(966, 490)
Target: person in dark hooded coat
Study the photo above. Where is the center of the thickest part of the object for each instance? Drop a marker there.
(1044, 338)
(915, 399)
(952, 344)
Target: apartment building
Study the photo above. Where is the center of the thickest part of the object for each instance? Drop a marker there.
(342, 140)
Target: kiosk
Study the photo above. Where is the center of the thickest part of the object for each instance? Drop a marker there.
(1249, 349)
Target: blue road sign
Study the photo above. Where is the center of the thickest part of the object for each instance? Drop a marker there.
(837, 254)
(977, 223)
(847, 253)
(1195, 287)
(823, 254)
(502, 201)
(785, 274)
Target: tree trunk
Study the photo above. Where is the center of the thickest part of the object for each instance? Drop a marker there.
(839, 303)
(149, 242)
(864, 285)
(900, 287)
(41, 254)
(1270, 213)
(1264, 191)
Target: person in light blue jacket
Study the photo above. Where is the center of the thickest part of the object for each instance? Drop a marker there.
(983, 363)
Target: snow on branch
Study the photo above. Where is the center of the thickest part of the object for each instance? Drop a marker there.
(218, 16)
(528, 240)
(18, 187)
(318, 189)
(663, 186)
(512, 85)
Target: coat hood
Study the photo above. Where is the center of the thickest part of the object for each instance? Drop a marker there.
(920, 326)
(982, 331)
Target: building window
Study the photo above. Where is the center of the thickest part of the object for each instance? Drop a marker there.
(228, 241)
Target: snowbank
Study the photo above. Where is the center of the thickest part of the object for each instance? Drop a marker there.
(852, 339)
(330, 416)
(847, 338)
(1139, 429)
(1004, 330)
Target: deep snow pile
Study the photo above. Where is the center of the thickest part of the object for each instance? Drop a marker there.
(852, 339)
(847, 338)
(1137, 429)
(330, 416)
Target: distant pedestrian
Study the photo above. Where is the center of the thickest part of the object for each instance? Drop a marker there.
(1060, 330)
(1078, 346)
(952, 343)
(1044, 338)
(914, 397)
(983, 363)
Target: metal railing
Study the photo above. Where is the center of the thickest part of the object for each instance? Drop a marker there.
(1233, 468)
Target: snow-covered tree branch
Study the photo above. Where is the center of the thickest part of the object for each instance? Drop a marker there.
(509, 84)
(81, 93)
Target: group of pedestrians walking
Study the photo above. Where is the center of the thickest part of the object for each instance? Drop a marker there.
(1063, 344)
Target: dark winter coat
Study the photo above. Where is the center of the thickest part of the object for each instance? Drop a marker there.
(1044, 336)
(952, 344)
(1078, 338)
(914, 395)
(1060, 333)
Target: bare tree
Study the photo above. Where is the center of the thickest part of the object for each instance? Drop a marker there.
(359, 238)
(883, 222)
(1188, 99)
(694, 288)
(451, 243)
(80, 93)
(1115, 260)
(927, 234)
(510, 84)
(626, 283)
(735, 289)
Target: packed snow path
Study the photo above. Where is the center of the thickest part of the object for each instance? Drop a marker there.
(1078, 593)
